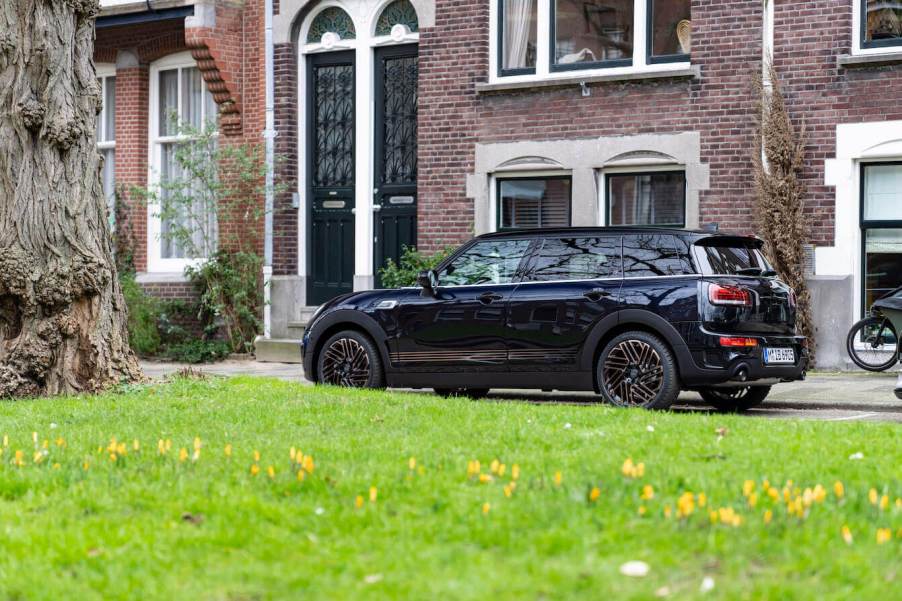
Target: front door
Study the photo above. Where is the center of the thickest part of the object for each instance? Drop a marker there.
(395, 187)
(330, 175)
(462, 328)
(570, 285)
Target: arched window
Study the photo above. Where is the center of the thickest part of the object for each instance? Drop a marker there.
(331, 20)
(399, 12)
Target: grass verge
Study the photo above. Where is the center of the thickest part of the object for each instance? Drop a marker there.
(189, 490)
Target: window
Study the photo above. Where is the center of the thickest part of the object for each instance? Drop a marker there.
(670, 32)
(533, 202)
(650, 255)
(550, 38)
(332, 21)
(592, 32)
(577, 259)
(106, 134)
(518, 36)
(657, 198)
(179, 100)
(881, 23)
(729, 258)
(881, 229)
(486, 262)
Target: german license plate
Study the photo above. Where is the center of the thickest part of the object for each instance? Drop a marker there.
(779, 355)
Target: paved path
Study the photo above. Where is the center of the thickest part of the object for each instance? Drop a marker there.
(837, 397)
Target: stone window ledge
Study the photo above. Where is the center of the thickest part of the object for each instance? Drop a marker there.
(161, 278)
(850, 61)
(575, 80)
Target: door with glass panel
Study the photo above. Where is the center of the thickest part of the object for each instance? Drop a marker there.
(330, 175)
(395, 189)
(881, 225)
(187, 207)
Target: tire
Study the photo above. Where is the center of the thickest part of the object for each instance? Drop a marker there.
(472, 393)
(878, 336)
(732, 400)
(350, 359)
(637, 369)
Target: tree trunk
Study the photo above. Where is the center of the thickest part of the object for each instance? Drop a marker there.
(62, 315)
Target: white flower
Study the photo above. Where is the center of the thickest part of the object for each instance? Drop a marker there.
(650, 428)
(567, 426)
(707, 584)
(319, 511)
(635, 569)
(52, 426)
(856, 456)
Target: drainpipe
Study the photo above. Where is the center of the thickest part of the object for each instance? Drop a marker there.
(269, 135)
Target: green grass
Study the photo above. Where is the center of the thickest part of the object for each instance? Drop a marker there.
(151, 527)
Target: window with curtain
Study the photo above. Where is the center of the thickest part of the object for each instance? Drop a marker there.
(533, 202)
(592, 31)
(106, 140)
(518, 37)
(184, 103)
(881, 23)
(655, 198)
(881, 230)
(670, 37)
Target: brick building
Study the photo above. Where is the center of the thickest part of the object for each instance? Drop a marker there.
(583, 112)
(200, 59)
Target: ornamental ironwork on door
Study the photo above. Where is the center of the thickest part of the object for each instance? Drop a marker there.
(395, 192)
(330, 163)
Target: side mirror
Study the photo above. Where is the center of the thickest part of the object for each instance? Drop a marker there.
(428, 281)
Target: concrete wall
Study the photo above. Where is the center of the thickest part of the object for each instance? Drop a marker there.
(831, 301)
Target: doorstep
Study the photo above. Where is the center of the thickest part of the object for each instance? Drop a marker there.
(277, 350)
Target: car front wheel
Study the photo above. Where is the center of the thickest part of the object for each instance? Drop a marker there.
(637, 369)
(735, 399)
(350, 359)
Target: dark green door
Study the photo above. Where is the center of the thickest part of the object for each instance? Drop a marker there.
(395, 189)
(330, 175)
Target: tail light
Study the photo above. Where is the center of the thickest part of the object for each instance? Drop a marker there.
(729, 295)
(737, 341)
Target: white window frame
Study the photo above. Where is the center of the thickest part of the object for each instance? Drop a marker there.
(105, 71)
(522, 174)
(859, 7)
(155, 261)
(602, 186)
(641, 61)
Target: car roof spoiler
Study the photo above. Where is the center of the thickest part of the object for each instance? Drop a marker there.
(730, 240)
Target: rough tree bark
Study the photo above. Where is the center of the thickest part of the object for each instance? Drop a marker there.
(62, 315)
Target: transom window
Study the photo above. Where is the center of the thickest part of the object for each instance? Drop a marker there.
(106, 134)
(486, 262)
(656, 198)
(534, 202)
(180, 104)
(881, 23)
(590, 34)
(881, 224)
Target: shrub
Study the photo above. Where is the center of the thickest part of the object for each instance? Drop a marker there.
(198, 351)
(143, 316)
(412, 262)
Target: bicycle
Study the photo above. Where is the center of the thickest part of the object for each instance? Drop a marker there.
(873, 343)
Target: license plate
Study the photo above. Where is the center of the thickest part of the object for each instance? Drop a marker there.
(779, 355)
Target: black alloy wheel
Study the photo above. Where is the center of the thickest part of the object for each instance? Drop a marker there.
(636, 369)
(350, 359)
(731, 400)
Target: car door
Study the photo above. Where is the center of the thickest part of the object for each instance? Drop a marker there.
(570, 284)
(461, 327)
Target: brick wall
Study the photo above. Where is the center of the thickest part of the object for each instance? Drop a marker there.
(285, 218)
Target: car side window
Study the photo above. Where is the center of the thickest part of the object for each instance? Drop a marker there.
(649, 255)
(577, 259)
(486, 262)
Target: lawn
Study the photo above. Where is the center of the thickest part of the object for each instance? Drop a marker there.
(189, 491)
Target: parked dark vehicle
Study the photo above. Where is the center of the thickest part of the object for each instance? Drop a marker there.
(633, 314)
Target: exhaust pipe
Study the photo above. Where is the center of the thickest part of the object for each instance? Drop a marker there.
(741, 373)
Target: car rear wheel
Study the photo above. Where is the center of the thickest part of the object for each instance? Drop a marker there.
(732, 400)
(637, 369)
(350, 359)
(472, 393)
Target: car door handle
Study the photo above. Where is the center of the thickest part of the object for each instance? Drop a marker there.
(596, 294)
(487, 298)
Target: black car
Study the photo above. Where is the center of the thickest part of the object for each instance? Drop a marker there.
(633, 314)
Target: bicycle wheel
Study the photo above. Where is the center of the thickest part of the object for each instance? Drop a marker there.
(872, 344)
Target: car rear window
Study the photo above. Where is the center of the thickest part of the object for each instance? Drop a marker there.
(731, 259)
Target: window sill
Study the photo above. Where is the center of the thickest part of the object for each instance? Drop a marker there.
(575, 80)
(851, 61)
(155, 277)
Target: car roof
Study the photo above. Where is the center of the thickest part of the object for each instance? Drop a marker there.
(694, 235)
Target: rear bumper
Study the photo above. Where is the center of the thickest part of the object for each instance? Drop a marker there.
(710, 364)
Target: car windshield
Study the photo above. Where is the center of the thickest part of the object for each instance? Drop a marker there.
(732, 259)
